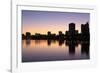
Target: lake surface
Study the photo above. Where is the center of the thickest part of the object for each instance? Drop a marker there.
(53, 50)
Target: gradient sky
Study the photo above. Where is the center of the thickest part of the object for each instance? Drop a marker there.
(43, 21)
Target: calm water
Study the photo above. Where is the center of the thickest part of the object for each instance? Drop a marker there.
(52, 50)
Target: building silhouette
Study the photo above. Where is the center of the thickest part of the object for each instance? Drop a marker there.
(71, 28)
(85, 35)
(28, 35)
(85, 48)
(71, 31)
(49, 33)
(23, 36)
(70, 35)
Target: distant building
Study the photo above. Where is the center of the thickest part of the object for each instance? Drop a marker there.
(49, 33)
(85, 31)
(85, 28)
(23, 37)
(37, 34)
(66, 32)
(28, 35)
(60, 33)
(71, 29)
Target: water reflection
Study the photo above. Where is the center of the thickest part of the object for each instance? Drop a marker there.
(52, 50)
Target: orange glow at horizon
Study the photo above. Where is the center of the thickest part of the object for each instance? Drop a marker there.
(44, 21)
(44, 29)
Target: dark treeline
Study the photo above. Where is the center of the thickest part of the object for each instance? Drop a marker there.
(72, 34)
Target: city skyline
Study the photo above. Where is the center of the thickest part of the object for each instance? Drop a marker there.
(43, 21)
(70, 35)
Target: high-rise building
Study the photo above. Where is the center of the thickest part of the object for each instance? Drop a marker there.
(72, 29)
(85, 28)
(85, 31)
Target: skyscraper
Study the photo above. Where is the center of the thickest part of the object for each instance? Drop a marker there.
(71, 31)
(85, 31)
(85, 28)
(71, 28)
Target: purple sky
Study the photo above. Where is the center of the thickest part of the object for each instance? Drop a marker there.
(43, 21)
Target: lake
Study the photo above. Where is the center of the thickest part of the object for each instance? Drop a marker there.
(54, 50)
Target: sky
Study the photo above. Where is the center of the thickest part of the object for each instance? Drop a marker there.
(44, 21)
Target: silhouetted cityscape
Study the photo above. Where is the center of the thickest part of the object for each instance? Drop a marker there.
(71, 35)
(70, 39)
(54, 35)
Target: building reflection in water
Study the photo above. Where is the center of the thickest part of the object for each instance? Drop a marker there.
(85, 47)
(52, 50)
(28, 42)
